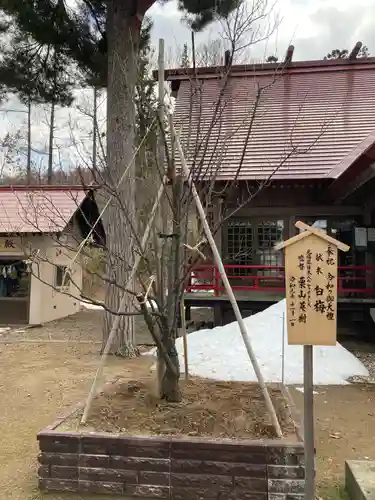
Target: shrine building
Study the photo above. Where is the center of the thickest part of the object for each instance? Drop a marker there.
(270, 144)
(41, 229)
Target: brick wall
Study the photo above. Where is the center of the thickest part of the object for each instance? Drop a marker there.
(170, 468)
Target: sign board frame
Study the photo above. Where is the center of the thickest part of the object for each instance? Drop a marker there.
(10, 246)
(311, 267)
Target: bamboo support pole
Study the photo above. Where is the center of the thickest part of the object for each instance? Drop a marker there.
(121, 308)
(184, 337)
(228, 288)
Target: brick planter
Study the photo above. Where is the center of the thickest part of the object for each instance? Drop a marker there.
(170, 468)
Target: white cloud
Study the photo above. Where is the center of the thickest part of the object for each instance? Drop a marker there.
(315, 27)
(72, 135)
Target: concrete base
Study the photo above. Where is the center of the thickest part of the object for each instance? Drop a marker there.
(360, 479)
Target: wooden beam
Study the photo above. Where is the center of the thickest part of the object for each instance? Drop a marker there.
(355, 51)
(301, 211)
(289, 55)
(308, 230)
(301, 225)
(227, 58)
(348, 179)
(291, 241)
(361, 180)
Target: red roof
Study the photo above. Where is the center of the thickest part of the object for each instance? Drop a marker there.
(310, 120)
(38, 209)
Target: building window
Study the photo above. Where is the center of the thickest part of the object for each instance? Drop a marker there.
(239, 245)
(269, 233)
(62, 277)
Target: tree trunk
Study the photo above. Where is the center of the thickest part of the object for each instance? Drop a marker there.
(28, 164)
(50, 145)
(170, 383)
(123, 48)
(94, 131)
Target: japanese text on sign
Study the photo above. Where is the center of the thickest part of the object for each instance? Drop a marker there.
(8, 245)
(311, 276)
(304, 297)
(311, 288)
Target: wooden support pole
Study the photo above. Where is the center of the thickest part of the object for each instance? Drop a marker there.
(184, 337)
(121, 308)
(308, 420)
(289, 55)
(283, 352)
(355, 51)
(223, 275)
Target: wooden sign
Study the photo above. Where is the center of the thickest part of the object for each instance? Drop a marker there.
(9, 245)
(311, 286)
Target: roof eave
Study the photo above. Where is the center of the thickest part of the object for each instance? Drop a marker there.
(266, 68)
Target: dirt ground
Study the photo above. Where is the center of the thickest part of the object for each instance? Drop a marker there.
(208, 408)
(40, 381)
(345, 430)
(85, 326)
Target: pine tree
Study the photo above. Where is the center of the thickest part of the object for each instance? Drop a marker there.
(344, 53)
(185, 63)
(337, 54)
(36, 76)
(103, 38)
(147, 172)
(272, 59)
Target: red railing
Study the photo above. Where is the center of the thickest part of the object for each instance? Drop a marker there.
(206, 277)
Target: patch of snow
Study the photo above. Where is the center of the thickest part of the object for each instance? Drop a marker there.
(220, 353)
(4, 330)
(301, 389)
(95, 307)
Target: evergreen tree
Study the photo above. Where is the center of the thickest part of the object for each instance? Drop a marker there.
(337, 54)
(344, 53)
(36, 76)
(147, 174)
(103, 38)
(185, 63)
(364, 52)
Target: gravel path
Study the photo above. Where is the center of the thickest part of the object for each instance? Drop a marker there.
(85, 326)
(38, 383)
(365, 352)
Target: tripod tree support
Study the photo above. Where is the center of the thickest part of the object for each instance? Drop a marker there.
(228, 288)
(121, 309)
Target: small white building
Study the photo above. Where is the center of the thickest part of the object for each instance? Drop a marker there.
(41, 229)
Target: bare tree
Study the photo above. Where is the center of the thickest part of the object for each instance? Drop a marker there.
(10, 157)
(211, 53)
(253, 22)
(28, 164)
(363, 52)
(192, 149)
(246, 26)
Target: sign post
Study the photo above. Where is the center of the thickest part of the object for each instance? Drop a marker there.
(311, 313)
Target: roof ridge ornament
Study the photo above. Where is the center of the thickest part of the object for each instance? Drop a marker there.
(307, 231)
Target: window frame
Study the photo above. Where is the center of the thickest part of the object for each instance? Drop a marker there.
(63, 269)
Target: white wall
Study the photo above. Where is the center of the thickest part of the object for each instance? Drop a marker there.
(47, 303)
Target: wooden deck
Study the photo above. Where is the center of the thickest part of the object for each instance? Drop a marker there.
(209, 299)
